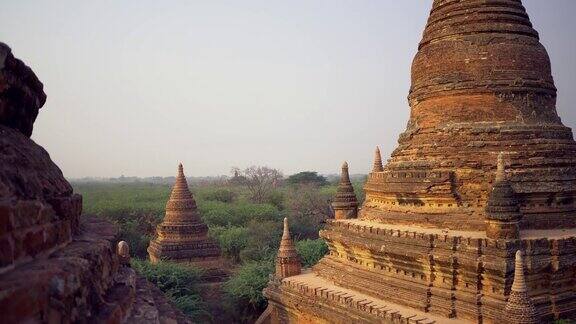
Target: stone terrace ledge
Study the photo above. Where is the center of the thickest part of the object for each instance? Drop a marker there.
(360, 225)
(311, 285)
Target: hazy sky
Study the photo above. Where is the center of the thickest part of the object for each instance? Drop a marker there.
(136, 86)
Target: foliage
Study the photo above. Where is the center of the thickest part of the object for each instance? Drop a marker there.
(178, 282)
(232, 240)
(307, 178)
(276, 199)
(216, 213)
(308, 209)
(218, 194)
(263, 242)
(311, 251)
(260, 181)
(244, 289)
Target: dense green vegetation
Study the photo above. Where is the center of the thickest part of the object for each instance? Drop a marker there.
(247, 222)
(178, 283)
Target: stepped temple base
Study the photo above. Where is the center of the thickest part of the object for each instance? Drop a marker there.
(308, 298)
(461, 275)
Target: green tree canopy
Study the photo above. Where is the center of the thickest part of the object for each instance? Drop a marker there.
(307, 177)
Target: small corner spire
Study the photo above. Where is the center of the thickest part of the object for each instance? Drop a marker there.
(520, 309)
(377, 161)
(288, 261)
(344, 175)
(519, 284)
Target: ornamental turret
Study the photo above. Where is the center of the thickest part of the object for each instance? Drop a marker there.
(288, 262)
(377, 167)
(345, 204)
(502, 209)
(519, 308)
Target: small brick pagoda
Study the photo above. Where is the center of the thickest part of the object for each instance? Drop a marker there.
(485, 168)
(183, 236)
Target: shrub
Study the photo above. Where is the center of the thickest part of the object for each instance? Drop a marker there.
(263, 241)
(215, 213)
(178, 282)
(311, 251)
(232, 240)
(244, 289)
(219, 194)
(243, 213)
(276, 199)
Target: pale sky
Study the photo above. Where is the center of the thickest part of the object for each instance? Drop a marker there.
(135, 86)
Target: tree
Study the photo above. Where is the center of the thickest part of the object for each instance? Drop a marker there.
(237, 178)
(308, 208)
(307, 178)
(232, 240)
(311, 251)
(260, 181)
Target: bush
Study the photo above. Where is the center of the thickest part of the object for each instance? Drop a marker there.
(178, 282)
(307, 208)
(232, 240)
(276, 199)
(220, 194)
(244, 289)
(216, 213)
(311, 251)
(263, 241)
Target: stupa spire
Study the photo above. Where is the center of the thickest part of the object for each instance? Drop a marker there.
(345, 204)
(288, 261)
(519, 308)
(377, 161)
(181, 206)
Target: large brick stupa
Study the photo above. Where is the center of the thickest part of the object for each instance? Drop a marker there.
(485, 168)
(182, 236)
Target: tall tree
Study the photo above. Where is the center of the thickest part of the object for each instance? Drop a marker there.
(261, 180)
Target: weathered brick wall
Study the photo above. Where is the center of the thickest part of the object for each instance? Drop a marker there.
(38, 210)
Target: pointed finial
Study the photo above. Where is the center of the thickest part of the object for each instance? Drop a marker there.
(377, 161)
(287, 261)
(286, 232)
(519, 284)
(345, 204)
(180, 169)
(519, 308)
(344, 176)
(500, 168)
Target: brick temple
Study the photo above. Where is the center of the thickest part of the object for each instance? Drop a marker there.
(182, 236)
(483, 179)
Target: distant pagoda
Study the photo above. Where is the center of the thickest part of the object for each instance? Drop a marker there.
(484, 168)
(183, 236)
